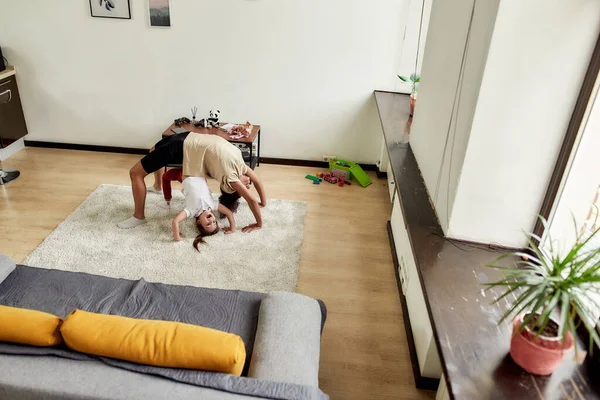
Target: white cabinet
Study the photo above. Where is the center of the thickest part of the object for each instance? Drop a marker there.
(429, 363)
(384, 160)
(442, 393)
(391, 183)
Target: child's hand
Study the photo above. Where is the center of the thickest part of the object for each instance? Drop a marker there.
(228, 230)
(175, 225)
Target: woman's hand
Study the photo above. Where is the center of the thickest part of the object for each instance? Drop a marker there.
(252, 203)
(252, 227)
(262, 204)
(227, 212)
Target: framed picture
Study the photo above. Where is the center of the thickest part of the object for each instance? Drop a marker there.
(160, 13)
(110, 9)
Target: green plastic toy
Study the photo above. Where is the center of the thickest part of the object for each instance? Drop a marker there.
(352, 169)
(343, 165)
(360, 175)
(312, 177)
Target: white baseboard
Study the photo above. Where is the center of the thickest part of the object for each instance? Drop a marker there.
(12, 149)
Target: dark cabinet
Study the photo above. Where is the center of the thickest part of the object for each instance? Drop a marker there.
(12, 120)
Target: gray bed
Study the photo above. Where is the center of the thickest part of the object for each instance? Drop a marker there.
(281, 332)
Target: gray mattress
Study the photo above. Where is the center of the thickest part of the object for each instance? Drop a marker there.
(60, 292)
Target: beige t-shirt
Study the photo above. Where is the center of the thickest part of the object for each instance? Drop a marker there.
(212, 156)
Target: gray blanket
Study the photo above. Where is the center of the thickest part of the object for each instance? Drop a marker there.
(60, 292)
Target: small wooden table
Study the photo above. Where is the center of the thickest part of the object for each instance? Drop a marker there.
(246, 142)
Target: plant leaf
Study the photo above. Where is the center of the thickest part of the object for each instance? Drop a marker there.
(509, 291)
(564, 315)
(545, 316)
(590, 329)
(524, 300)
(403, 78)
(545, 280)
(541, 300)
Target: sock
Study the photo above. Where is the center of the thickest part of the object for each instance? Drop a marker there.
(152, 189)
(131, 223)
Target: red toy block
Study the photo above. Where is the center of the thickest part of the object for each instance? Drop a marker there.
(331, 179)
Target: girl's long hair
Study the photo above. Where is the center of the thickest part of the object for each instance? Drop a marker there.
(202, 233)
(230, 200)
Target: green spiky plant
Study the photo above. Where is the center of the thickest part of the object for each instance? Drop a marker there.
(413, 79)
(546, 280)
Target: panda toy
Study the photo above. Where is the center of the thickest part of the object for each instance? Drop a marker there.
(211, 122)
(213, 118)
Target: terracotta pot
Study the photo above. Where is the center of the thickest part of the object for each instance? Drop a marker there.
(413, 103)
(541, 355)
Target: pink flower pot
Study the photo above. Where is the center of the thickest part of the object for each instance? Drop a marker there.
(413, 104)
(541, 355)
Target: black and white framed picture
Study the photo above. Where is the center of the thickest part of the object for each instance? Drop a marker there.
(110, 9)
(160, 13)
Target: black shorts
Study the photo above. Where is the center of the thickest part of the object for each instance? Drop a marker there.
(167, 151)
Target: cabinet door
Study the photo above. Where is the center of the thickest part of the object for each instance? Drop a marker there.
(429, 361)
(391, 182)
(12, 120)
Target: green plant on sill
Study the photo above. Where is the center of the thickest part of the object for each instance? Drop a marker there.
(546, 281)
(413, 79)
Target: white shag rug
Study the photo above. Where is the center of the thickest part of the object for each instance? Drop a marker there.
(89, 241)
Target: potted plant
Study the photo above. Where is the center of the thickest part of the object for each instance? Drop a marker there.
(414, 80)
(553, 293)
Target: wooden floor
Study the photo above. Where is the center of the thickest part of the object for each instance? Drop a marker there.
(346, 259)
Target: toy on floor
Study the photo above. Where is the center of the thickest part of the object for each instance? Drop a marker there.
(330, 178)
(351, 169)
(360, 175)
(336, 176)
(341, 174)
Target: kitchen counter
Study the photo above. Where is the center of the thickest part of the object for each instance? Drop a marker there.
(473, 350)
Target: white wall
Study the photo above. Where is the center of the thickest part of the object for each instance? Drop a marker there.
(449, 24)
(538, 56)
(304, 69)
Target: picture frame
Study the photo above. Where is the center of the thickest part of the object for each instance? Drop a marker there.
(114, 9)
(160, 13)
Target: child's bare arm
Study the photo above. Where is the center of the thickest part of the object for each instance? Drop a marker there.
(227, 212)
(175, 225)
(260, 188)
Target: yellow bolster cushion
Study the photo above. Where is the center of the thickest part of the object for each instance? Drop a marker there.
(35, 328)
(158, 343)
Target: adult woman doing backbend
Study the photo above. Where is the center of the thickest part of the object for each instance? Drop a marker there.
(202, 155)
